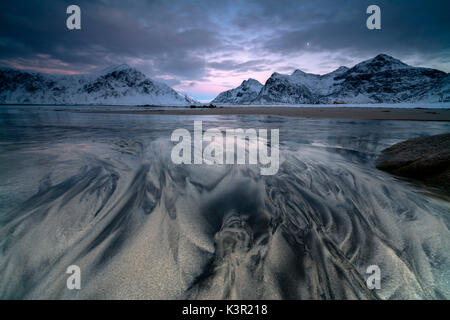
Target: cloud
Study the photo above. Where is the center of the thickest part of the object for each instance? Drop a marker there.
(414, 28)
(220, 42)
(252, 65)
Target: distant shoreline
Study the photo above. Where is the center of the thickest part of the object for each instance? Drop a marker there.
(362, 113)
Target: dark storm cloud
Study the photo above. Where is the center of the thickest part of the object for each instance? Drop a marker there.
(198, 40)
(420, 28)
(111, 32)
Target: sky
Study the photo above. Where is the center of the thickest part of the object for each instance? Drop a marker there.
(204, 47)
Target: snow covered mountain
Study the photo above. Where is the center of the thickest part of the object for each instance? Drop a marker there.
(382, 79)
(245, 93)
(385, 79)
(300, 87)
(119, 85)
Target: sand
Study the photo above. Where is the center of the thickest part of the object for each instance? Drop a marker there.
(305, 112)
(102, 193)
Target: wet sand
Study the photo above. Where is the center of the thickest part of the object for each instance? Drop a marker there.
(101, 192)
(305, 112)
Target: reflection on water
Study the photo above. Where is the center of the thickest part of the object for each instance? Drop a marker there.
(100, 191)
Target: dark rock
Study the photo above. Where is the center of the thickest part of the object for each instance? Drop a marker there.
(426, 159)
(210, 106)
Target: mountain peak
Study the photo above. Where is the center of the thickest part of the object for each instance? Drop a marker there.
(381, 62)
(339, 71)
(383, 56)
(119, 67)
(298, 72)
(250, 82)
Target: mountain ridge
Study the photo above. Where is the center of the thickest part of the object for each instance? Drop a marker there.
(115, 85)
(382, 79)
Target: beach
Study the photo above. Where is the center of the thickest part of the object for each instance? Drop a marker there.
(363, 113)
(98, 189)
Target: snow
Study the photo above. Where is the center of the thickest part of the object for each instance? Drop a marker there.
(382, 79)
(117, 85)
(246, 92)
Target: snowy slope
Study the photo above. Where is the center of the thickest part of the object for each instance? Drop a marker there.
(245, 93)
(382, 79)
(299, 87)
(439, 91)
(119, 85)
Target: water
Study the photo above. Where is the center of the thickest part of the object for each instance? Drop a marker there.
(100, 191)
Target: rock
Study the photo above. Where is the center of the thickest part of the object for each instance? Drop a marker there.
(426, 159)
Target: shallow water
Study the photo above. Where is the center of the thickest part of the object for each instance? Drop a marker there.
(100, 191)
